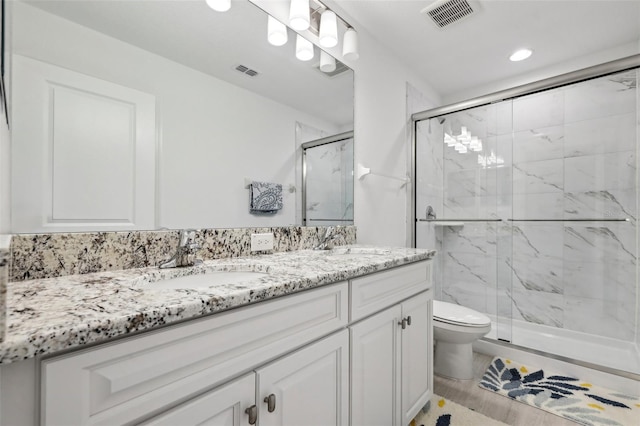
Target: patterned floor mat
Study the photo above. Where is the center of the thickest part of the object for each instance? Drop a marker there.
(564, 396)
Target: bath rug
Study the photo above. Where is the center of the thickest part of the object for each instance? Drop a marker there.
(564, 396)
(446, 413)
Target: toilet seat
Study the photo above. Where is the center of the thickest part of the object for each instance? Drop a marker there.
(453, 314)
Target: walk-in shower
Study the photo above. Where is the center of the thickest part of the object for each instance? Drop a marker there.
(535, 193)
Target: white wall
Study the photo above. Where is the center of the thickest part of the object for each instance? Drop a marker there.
(5, 136)
(212, 134)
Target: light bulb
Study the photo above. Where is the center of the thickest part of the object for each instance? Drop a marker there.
(328, 29)
(520, 55)
(350, 45)
(219, 5)
(304, 49)
(327, 62)
(299, 16)
(276, 32)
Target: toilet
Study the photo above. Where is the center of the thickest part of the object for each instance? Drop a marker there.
(455, 328)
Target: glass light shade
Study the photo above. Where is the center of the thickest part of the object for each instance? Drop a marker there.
(328, 29)
(219, 5)
(299, 16)
(276, 32)
(327, 62)
(304, 49)
(350, 45)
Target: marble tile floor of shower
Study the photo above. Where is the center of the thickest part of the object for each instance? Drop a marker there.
(491, 404)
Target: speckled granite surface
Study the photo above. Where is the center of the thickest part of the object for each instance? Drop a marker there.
(4, 278)
(37, 256)
(53, 314)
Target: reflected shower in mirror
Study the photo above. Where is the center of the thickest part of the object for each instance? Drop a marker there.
(328, 181)
(153, 114)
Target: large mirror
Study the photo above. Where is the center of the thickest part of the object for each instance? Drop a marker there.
(159, 114)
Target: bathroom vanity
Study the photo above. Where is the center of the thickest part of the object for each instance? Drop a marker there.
(336, 337)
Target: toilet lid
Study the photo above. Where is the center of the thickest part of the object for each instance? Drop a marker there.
(460, 315)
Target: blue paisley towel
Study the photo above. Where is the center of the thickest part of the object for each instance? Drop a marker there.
(265, 197)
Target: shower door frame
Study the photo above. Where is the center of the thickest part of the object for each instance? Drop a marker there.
(585, 74)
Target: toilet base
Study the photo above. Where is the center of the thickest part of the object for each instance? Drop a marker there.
(454, 360)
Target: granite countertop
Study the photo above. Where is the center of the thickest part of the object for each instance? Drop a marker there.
(45, 316)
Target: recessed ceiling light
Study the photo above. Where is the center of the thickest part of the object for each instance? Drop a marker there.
(520, 55)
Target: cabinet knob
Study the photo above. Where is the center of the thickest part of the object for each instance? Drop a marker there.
(403, 323)
(253, 414)
(271, 403)
(409, 320)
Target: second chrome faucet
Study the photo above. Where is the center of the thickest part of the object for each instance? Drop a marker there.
(185, 254)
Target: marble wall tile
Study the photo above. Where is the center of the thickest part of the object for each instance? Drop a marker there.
(601, 204)
(538, 144)
(538, 307)
(614, 243)
(600, 317)
(538, 177)
(51, 255)
(540, 110)
(470, 207)
(472, 295)
(600, 135)
(538, 206)
(477, 238)
(537, 261)
(609, 95)
(600, 172)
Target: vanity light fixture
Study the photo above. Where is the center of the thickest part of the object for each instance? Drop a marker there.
(520, 55)
(350, 45)
(299, 15)
(219, 5)
(327, 62)
(304, 48)
(276, 32)
(328, 29)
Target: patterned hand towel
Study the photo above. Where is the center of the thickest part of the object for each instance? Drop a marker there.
(265, 197)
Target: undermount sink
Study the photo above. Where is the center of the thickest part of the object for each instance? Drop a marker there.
(208, 279)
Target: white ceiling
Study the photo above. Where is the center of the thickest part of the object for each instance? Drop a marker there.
(474, 52)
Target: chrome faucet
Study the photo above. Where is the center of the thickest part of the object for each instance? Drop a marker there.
(328, 238)
(185, 254)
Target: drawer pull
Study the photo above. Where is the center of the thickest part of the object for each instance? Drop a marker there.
(403, 323)
(271, 403)
(409, 320)
(253, 414)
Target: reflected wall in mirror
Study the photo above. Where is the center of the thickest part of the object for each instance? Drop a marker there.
(134, 115)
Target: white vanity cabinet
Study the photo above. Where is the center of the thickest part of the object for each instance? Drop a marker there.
(308, 387)
(391, 350)
(135, 378)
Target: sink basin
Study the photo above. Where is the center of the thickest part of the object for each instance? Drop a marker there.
(208, 279)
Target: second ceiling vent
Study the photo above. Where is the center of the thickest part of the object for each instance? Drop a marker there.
(446, 12)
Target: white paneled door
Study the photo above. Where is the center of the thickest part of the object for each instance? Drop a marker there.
(83, 152)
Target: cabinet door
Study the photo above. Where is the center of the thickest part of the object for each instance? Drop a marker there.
(223, 406)
(375, 369)
(307, 388)
(417, 355)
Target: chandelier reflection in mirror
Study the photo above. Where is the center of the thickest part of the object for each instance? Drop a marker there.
(465, 142)
(310, 15)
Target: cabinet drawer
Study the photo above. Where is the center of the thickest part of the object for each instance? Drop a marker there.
(375, 292)
(121, 382)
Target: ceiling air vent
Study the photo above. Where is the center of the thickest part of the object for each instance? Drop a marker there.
(246, 70)
(446, 12)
